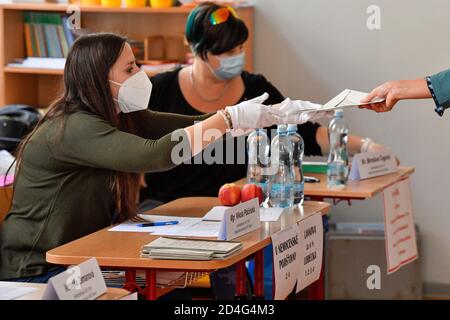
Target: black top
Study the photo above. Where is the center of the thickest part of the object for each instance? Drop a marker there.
(188, 180)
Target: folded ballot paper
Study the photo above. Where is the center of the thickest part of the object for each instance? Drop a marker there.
(345, 99)
(348, 98)
(189, 249)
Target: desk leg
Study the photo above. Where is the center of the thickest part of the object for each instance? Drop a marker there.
(130, 280)
(240, 280)
(259, 275)
(151, 284)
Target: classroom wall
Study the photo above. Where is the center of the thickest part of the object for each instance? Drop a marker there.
(313, 49)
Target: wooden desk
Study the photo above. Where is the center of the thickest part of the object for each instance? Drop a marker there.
(357, 190)
(353, 190)
(111, 293)
(122, 249)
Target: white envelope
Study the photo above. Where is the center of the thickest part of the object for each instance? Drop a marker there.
(345, 99)
(348, 98)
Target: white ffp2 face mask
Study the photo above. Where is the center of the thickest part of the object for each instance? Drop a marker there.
(134, 93)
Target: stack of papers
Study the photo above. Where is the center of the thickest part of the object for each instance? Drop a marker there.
(186, 227)
(189, 249)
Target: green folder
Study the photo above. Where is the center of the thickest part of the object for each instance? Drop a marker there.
(314, 167)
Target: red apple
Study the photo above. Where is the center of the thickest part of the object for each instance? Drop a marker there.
(230, 194)
(251, 191)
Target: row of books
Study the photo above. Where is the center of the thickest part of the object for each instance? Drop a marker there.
(47, 35)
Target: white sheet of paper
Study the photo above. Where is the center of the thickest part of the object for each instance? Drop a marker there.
(311, 238)
(348, 98)
(207, 229)
(286, 260)
(11, 292)
(215, 214)
(400, 233)
(183, 223)
(270, 214)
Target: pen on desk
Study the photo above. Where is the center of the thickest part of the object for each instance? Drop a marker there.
(311, 179)
(157, 224)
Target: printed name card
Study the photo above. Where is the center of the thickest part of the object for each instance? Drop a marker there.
(372, 164)
(400, 233)
(239, 220)
(311, 250)
(286, 260)
(82, 282)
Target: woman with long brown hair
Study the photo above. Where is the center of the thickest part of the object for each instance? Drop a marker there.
(81, 162)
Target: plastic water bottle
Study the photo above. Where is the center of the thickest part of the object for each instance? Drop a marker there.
(259, 161)
(281, 193)
(297, 157)
(337, 172)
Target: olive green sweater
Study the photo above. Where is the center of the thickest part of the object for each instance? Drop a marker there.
(64, 187)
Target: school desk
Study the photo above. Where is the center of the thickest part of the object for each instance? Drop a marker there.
(121, 250)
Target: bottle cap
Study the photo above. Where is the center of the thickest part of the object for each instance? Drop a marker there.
(281, 128)
(339, 113)
(292, 127)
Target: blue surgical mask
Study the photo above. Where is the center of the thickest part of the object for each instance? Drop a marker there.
(230, 67)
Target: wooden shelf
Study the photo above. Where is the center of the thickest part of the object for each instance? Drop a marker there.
(93, 8)
(44, 85)
(50, 72)
(33, 71)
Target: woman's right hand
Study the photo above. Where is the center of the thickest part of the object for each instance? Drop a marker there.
(253, 114)
(394, 91)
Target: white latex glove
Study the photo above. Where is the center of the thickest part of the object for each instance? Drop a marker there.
(295, 111)
(252, 114)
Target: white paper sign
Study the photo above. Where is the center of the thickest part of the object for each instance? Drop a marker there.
(311, 239)
(270, 214)
(372, 164)
(82, 282)
(239, 220)
(286, 260)
(400, 233)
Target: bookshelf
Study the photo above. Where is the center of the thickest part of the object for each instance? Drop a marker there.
(38, 87)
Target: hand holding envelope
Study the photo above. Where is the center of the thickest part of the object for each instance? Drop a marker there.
(298, 111)
(349, 98)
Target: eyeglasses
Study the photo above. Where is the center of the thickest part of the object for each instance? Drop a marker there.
(222, 15)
